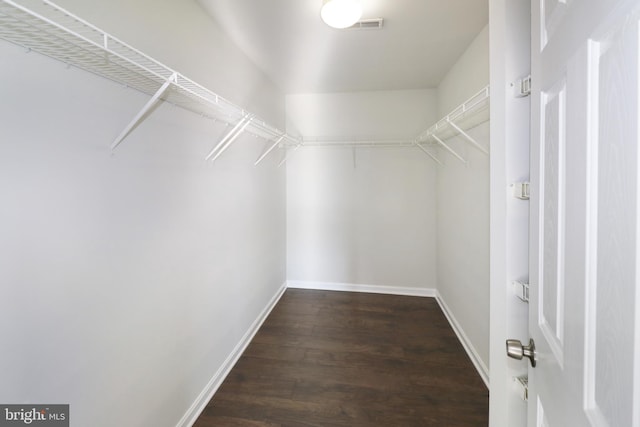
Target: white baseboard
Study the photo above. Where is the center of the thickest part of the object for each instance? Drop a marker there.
(482, 369)
(212, 386)
(372, 289)
(480, 366)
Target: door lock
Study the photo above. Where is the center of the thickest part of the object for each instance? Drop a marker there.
(516, 350)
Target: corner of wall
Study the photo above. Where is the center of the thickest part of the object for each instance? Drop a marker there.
(472, 352)
(469, 74)
(462, 211)
(194, 411)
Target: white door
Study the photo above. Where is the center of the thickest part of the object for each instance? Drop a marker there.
(584, 232)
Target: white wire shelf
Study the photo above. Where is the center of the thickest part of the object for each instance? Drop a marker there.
(467, 115)
(46, 28)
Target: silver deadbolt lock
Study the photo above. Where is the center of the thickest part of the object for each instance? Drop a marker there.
(516, 350)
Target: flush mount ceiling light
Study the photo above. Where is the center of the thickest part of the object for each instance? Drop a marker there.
(341, 13)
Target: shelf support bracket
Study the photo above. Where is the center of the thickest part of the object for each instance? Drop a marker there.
(230, 137)
(467, 137)
(287, 155)
(145, 110)
(435, 159)
(450, 150)
(266, 153)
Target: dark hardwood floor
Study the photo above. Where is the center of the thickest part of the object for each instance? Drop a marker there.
(351, 359)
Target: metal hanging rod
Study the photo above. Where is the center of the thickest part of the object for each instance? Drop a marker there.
(310, 142)
(44, 27)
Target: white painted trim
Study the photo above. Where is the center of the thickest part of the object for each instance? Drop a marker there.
(372, 289)
(216, 381)
(482, 369)
(480, 366)
(192, 414)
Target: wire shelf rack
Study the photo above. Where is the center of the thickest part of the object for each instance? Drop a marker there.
(44, 27)
(470, 113)
(467, 115)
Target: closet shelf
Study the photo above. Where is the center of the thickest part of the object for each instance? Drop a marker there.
(470, 113)
(46, 28)
(467, 115)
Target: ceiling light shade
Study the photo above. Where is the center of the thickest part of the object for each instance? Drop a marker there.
(341, 13)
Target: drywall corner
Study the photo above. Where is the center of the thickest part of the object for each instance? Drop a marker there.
(469, 74)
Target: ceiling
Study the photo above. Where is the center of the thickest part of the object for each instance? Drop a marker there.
(419, 42)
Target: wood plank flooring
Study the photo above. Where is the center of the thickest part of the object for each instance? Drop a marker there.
(351, 359)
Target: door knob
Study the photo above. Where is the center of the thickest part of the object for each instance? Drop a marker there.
(516, 350)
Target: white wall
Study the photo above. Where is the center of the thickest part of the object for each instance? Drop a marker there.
(371, 222)
(127, 279)
(380, 114)
(469, 74)
(463, 207)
